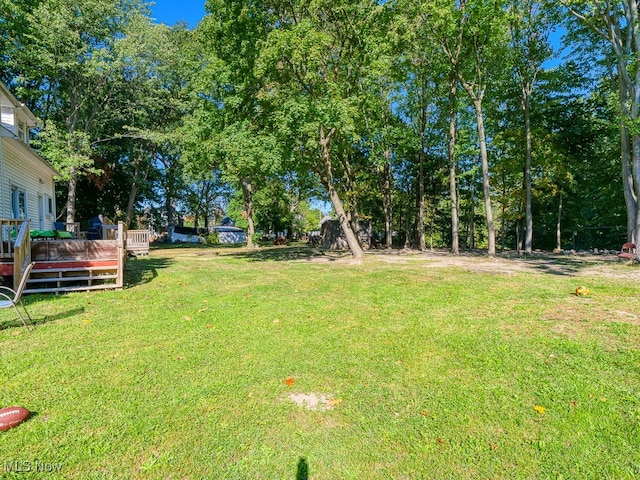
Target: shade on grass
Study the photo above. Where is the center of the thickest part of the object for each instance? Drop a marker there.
(434, 372)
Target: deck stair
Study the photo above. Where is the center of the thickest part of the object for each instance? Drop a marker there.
(71, 276)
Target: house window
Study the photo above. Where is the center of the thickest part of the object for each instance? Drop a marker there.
(18, 202)
(49, 203)
(22, 131)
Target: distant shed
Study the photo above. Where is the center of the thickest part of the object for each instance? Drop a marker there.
(228, 234)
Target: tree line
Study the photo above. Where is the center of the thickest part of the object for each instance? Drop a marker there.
(466, 124)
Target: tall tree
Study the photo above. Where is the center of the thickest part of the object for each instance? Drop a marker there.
(472, 35)
(314, 59)
(617, 23)
(65, 49)
(227, 130)
(529, 25)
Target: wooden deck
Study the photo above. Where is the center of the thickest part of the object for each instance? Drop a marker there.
(71, 264)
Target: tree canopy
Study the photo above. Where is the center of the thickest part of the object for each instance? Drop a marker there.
(428, 123)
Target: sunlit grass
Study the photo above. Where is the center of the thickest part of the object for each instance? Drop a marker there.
(436, 372)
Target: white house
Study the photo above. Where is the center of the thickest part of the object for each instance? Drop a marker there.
(27, 187)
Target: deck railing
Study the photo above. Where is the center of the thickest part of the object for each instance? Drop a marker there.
(21, 253)
(138, 241)
(9, 228)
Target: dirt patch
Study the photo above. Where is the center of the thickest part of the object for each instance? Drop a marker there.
(313, 401)
(510, 262)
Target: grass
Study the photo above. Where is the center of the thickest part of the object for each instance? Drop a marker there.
(433, 372)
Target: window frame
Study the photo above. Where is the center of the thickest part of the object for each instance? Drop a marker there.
(17, 194)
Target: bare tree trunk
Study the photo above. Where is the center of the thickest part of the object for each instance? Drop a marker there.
(131, 203)
(420, 217)
(327, 179)
(636, 180)
(431, 227)
(528, 243)
(247, 192)
(558, 224)
(486, 187)
(421, 201)
(472, 221)
(407, 235)
(627, 181)
(135, 188)
(385, 173)
(71, 195)
(503, 229)
(453, 191)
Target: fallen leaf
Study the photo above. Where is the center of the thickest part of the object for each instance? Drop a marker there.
(180, 358)
(289, 381)
(441, 441)
(540, 409)
(208, 325)
(602, 399)
(86, 320)
(335, 402)
(202, 310)
(493, 446)
(572, 403)
(187, 317)
(425, 413)
(249, 296)
(277, 320)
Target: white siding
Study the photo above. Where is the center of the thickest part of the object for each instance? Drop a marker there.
(29, 174)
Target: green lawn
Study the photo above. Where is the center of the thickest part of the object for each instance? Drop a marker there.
(428, 372)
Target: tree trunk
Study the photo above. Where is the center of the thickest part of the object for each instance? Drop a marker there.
(486, 188)
(503, 229)
(352, 216)
(432, 226)
(131, 203)
(71, 195)
(627, 181)
(453, 191)
(528, 242)
(421, 200)
(385, 173)
(558, 224)
(471, 242)
(407, 234)
(133, 193)
(247, 193)
(327, 179)
(420, 217)
(636, 180)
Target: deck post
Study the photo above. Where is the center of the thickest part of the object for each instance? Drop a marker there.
(21, 253)
(122, 253)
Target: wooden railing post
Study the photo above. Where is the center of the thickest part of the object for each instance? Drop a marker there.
(121, 239)
(22, 252)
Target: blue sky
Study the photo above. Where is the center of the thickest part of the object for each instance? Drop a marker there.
(172, 11)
